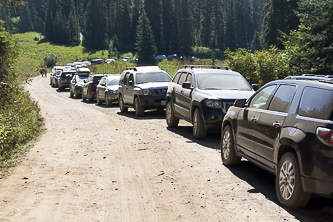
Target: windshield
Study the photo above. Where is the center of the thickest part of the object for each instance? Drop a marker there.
(152, 77)
(112, 81)
(214, 81)
(81, 78)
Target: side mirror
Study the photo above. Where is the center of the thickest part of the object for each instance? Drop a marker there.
(130, 82)
(85, 81)
(240, 103)
(187, 85)
(255, 87)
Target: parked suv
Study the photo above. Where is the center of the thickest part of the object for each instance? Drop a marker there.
(143, 88)
(65, 78)
(286, 128)
(89, 87)
(107, 89)
(77, 82)
(202, 95)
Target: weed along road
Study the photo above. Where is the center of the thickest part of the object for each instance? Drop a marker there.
(93, 163)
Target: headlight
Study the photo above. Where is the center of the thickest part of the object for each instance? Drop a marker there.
(146, 92)
(213, 104)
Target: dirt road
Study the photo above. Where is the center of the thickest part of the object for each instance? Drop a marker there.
(95, 164)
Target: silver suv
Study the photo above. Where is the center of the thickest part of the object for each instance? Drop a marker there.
(143, 88)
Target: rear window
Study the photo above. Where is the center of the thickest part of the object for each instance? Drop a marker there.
(96, 79)
(316, 103)
(67, 75)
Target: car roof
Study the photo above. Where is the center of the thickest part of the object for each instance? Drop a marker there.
(209, 68)
(83, 70)
(311, 77)
(144, 68)
(305, 82)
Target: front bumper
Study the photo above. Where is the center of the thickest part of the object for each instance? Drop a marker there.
(153, 102)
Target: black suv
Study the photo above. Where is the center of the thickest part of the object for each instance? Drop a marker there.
(65, 78)
(143, 87)
(286, 128)
(202, 95)
(89, 87)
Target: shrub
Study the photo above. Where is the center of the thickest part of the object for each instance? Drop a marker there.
(50, 60)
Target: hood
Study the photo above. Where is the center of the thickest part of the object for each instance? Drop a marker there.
(113, 87)
(227, 94)
(153, 85)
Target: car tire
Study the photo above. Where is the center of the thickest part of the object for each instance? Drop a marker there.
(99, 101)
(139, 110)
(76, 94)
(122, 107)
(89, 98)
(83, 98)
(288, 184)
(199, 131)
(228, 153)
(107, 101)
(70, 93)
(171, 120)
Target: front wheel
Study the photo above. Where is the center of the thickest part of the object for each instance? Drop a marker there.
(228, 153)
(122, 107)
(99, 101)
(83, 98)
(171, 119)
(139, 110)
(288, 183)
(107, 101)
(199, 131)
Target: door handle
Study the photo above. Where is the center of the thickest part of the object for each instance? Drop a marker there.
(276, 124)
(182, 92)
(254, 119)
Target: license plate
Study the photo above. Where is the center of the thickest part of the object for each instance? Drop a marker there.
(163, 103)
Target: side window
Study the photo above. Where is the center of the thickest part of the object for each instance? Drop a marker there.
(189, 79)
(282, 99)
(316, 103)
(131, 79)
(125, 81)
(261, 99)
(182, 78)
(176, 78)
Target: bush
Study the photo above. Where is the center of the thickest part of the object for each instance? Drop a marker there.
(259, 67)
(50, 60)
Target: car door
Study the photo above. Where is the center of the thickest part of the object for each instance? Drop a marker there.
(128, 88)
(100, 91)
(181, 96)
(248, 118)
(270, 122)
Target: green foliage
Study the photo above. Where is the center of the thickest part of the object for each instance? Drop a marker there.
(259, 67)
(19, 115)
(50, 60)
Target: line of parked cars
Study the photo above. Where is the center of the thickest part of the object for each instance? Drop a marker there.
(285, 127)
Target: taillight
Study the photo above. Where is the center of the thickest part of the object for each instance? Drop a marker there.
(325, 135)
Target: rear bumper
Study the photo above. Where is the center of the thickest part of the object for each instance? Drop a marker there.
(323, 188)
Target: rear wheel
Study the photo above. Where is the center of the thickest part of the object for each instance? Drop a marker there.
(76, 94)
(288, 183)
(83, 98)
(228, 153)
(171, 120)
(107, 101)
(122, 107)
(139, 110)
(89, 97)
(199, 131)
(98, 100)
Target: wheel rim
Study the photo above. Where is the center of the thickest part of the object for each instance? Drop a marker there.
(168, 113)
(195, 123)
(226, 145)
(287, 180)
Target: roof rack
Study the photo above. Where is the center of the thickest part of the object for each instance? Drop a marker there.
(131, 68)
(143, 68)
(205, 66)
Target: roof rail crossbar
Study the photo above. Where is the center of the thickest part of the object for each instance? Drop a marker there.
(131, 68)
(205, 66)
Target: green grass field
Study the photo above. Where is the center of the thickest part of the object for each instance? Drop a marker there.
(34, 48)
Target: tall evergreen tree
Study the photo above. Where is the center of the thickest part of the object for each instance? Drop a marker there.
(95, 30)
(279, 16)
(145, 43)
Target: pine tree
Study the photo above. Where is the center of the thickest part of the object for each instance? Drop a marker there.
(145, 43)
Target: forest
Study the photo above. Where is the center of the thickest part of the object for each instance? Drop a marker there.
(177, 26)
